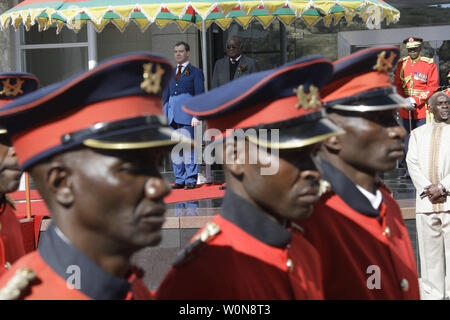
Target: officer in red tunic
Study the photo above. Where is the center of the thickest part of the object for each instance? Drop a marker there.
(252, 249)
(12, 85)
(416, 78)
(357, 226)
(96, 164)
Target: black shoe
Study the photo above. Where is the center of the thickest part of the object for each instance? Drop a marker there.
(190, 186)
(178, 186)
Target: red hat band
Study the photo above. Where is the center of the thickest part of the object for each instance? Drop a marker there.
(46, 136)
(5, 101)
(351, 85)
(275, 111)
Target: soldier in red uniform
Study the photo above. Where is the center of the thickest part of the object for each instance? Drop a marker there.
(357, 226)
(96, 164)
(12, 85)
(416, 78)
(252, 249)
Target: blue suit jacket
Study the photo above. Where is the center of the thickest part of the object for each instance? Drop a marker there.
(190, 83)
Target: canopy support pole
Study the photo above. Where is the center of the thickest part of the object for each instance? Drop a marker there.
(283, 43)
(92, 46)
(205, 72)
(204, 54)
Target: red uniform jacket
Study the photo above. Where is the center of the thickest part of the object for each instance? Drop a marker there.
(418, 79)
(61, 272)
(243, 254)
(11, 241)
(359, 245)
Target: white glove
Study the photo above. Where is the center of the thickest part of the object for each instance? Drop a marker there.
(412, 103)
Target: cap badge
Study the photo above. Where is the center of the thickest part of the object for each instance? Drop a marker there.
(310, 100)
(411, 39)
(152, 80)
(12, 89)
(384, 64)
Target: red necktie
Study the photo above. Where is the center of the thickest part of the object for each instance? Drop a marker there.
(179, 72)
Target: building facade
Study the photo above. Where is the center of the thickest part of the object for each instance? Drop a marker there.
(53, 57)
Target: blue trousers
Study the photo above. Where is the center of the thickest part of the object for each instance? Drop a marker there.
(186, 209)
(415, 123)
(187, 170)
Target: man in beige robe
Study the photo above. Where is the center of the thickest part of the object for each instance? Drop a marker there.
(428, 162)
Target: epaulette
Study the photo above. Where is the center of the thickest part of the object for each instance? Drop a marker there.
(11, 202)
(426, 59)
(324, 186)
(18, 282)
(405, 58)
(208, 233)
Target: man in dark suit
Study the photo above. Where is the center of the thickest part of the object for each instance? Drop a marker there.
(234, 65)
(188, 82)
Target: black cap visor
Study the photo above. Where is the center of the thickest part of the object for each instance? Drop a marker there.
(296, 133)
(136, 133)
(374, 100)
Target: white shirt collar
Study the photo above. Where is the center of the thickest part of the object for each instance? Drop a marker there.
(184, 65)
(374, 199)
(236, 59)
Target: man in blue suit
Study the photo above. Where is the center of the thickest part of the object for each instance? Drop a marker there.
(187, 82)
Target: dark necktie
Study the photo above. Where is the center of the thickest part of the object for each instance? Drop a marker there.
(178, 72)
(233, 67)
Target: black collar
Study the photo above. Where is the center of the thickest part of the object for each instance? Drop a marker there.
(347, 190)
(3, 205)
(67, 261)
(253, 221)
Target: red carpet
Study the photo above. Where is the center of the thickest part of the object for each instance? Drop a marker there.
(203, 191)
(38, 207)
(39, 210)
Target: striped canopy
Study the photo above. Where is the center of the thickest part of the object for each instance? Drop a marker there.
(75, 13)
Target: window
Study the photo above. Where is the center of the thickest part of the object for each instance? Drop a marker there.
(52, 57)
